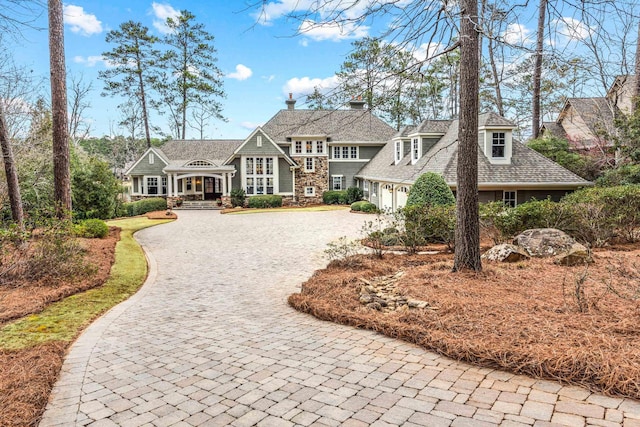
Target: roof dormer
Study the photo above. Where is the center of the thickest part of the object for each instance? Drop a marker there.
(495, 137)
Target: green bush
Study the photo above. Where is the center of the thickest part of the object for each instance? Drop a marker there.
(430, 189)
(334, 197)
(266, 201)
(143, 206)
(623, 175)
(238, 197)
(429, 224)
(354, 194)
(364, 206)
(502, 222)
(92, 228)
(600, 213)
(94, 189)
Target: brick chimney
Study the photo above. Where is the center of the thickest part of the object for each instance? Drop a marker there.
(357, 104)
(290, 102)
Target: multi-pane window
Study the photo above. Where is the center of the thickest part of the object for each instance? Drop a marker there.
(498, 144)
(415, 149)
(259, 175)
(164, 185)
(309, 147)
(298, 147)
(189, 183)
(398, 151)
(319, 147)
(365, 190)
(345, 152)
(152, 185)
(510, 198)
(336, 182)
(309, 164)
(310, 191)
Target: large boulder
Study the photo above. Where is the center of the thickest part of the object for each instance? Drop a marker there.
(544, 242)
(550, 242)
(505, 253)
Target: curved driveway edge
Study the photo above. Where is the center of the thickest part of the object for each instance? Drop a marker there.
(209, 340)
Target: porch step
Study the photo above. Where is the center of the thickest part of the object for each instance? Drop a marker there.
(199, 204)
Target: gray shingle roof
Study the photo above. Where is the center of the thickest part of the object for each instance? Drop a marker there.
(340, 125)
(179, 151)
(527, 166)
(554, 129)
(433, 126)
(595, 112)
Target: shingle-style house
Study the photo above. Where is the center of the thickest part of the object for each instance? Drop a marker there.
(299, 154)
(507, 170)
(587, 122)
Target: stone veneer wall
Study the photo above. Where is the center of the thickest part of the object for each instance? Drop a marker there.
(318, 179)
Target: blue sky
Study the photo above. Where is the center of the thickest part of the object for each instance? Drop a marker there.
(262, 61)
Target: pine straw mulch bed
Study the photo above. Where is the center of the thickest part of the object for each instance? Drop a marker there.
(28, 375)
(520, 317)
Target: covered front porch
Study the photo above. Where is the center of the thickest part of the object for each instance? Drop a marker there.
(190, 183)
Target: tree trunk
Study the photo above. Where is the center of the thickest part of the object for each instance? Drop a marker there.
(496, 78)
(61, 167)
(467, 234)
(636, 88)
(143, 98)
(537, 72)
(13, 187)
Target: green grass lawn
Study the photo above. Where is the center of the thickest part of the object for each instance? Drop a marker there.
(292, 209)
(65, 319)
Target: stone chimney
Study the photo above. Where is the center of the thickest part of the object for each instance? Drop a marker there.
(290, 102)
(357, 104)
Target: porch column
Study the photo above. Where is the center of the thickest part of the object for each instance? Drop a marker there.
(224, 184)
(229, 188)
(169, 185)
(143, 186)
(175, 184)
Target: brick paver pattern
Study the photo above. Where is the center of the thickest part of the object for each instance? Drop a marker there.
(211, 341)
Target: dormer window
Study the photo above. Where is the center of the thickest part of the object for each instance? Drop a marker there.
(398, 151)
(415, 150)
(498, 144)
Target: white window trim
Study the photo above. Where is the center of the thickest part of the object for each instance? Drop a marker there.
(515, 197)
(340, 151)
(259, 140)
(314, 148)
(333, 181)
(313, 164)
(145, 188)
(152, 158)
(416, 150)
(503, 145)
(275, 175)
(397, 151)
(313, 191)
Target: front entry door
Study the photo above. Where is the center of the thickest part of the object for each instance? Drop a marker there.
(209, 188)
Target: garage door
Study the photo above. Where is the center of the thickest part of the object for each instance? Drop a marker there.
(386, 197)
(401, 197)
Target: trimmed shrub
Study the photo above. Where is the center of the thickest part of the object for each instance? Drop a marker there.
(266, 201)
(334, 197)
(238, 197)
(364, 206)
(143, 206)
(429, 224)
(94, 190)
(430, 189)
(92, 228)
(354, 194)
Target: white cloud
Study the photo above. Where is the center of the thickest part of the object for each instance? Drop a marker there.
(301, 87)
(332, 31)
(269, 78)
(162, 12)
(91, 61)
(276, 9)
(426, 51)
(242, 73)
(304, 42)
(249, 125)
(573, 29)
(516, 34)
(80, 21)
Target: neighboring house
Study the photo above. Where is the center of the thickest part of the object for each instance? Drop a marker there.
(588, 122)
(507, 170)
(298, 154)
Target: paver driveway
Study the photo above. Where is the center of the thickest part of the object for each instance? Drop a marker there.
(210, 340)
